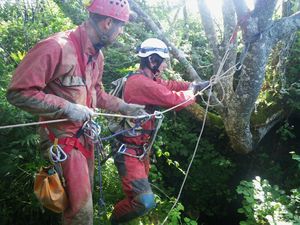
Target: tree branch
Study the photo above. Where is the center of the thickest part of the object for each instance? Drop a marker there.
(229, 19)
(263, 129)
(210, 32)
(178, 54)
(284, 27)
(241, 9)
(264, 10)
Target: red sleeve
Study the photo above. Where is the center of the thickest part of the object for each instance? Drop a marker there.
(174, 85)
(144, 91)
(32, 76)
(106, 101)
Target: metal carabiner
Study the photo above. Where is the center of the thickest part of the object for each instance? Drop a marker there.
(145, 151)
(56, 153)
(123, 148)
(92, 130)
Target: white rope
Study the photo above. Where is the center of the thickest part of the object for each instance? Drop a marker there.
(193, 156)
(215, 79)
(64, 120)
(33, 123)
(157, 113)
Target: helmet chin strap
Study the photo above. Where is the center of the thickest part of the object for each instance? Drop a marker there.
(154, 69)
(103, 37)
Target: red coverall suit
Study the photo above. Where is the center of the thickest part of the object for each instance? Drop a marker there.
(46, 80)
(142, 90)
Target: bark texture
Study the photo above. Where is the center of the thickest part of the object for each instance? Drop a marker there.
(260, 34)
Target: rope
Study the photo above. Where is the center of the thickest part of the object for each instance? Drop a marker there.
(215, 78)
(193, 156)
(65, 120)
(157, 113)
(33, 123)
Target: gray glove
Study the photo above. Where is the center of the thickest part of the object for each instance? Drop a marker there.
(198, 86)
(132, 109)
(77, 112)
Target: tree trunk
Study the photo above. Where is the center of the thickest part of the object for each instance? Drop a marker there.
(260, 33)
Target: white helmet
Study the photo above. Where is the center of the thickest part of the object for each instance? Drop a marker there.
(153, 46)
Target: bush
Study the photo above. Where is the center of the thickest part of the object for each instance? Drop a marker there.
(268, 204)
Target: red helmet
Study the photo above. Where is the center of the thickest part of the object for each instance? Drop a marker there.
(118, 9)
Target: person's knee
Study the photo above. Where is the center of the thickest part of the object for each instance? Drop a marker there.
(146, 202)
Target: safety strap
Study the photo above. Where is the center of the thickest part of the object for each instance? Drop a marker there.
(69, 143)
(146, 147)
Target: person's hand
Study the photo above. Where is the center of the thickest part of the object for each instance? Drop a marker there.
(198, 86)
(132, 109)
(77, 112)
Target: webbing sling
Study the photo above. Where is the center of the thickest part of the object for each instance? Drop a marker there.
(69, 143)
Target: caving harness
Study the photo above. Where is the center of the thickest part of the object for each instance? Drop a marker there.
(62, 146)
(133, 128)
(146, 148)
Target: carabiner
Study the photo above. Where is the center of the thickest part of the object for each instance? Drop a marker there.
(123, 148)
(56, 153)
(92, 130)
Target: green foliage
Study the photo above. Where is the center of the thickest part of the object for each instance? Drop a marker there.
(162, 211)
(213, 170)
(112, 191)
(174, 216)
(29, 25)
(21, 26)
(292, 95)
(73, 9)
(297, 158)
(210, 171)
(19, 160)
(286, 132)
(280, 92)
(267, 204)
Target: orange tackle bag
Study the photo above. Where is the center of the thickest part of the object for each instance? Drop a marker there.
(49, 190)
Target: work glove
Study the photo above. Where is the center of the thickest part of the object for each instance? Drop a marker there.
(77, 112)
(132, 109)
(198, 86)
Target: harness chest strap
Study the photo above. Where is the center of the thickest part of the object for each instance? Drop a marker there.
(69, 143)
